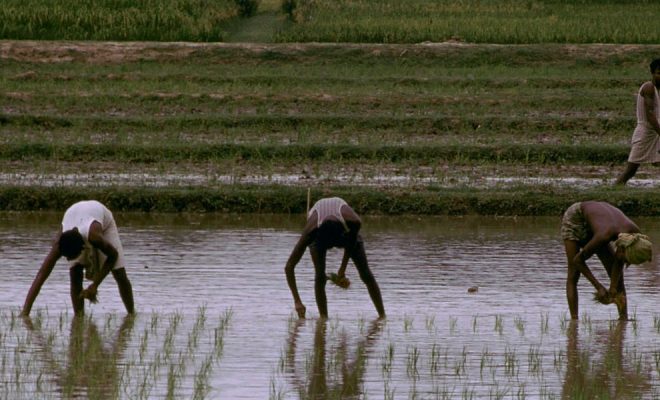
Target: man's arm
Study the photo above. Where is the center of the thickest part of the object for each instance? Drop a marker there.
(43, 274)
(351, 244)
(648, 93)
(96, 239)
(344, 263)
(291, 263)
(587, 251)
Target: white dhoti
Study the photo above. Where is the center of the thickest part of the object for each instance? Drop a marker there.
(645, 146)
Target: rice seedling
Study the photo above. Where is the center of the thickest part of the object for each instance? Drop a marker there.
(275, 393)
(388, 392)
(586, 321)
(407, 322)
(499, 328)
(544, 323)
(519, 322)
(75, 355)
(429, 322)
(459, 366)
(452, 325)
(534, 361)
(563, 323)
(497, 392)
(434, 360)
(485, 361)
(387, 360)
(468, 394)
(511, 364)
(412, 361)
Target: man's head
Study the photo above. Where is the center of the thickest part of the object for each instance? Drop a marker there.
(636, 248)
(655, 72)
(71, 244)
(655, 65)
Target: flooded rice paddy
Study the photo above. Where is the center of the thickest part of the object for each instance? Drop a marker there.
(215, 317)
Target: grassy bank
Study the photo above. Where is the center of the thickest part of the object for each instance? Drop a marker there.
(522, 201)
(460, 153)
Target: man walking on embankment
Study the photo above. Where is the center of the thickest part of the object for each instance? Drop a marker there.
(646, 137)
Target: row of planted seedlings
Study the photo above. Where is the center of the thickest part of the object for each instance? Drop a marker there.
(165, 355)
(495, 356)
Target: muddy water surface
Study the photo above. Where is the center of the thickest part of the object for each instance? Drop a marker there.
(215, 316)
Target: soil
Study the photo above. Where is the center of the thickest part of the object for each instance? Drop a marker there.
(121, 52)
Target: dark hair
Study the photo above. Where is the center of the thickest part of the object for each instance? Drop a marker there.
(71, 244)
(329, 234)
(655, 65)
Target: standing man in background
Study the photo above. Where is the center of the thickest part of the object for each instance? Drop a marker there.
(646, 137)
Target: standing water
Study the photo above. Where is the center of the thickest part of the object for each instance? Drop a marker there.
(475, 308)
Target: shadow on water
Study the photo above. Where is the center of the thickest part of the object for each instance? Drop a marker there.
(91, 368)
(604, 370)
(333, 373)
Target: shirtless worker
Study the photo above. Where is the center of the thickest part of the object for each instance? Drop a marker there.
(594, 227)
(331, 223)
(646, 137)
(89, 240)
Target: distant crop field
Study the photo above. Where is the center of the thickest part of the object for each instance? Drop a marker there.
(493, 21)
(159, 20)
(365, 21)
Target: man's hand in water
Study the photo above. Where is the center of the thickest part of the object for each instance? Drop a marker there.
(90, 294)
(339, 279)
(602, 296)
(300, 309)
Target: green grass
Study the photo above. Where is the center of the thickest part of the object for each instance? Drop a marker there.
(495, 21)
(159, 20)
(237, 198)
(373, 21)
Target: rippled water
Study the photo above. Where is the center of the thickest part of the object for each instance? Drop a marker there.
(214, 287)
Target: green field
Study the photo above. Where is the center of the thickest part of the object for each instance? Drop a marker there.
(355, 21)
(495, 21)
(331, 116)
(438, 128)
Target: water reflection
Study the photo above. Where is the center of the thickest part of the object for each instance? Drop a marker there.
(331, 373)
(604, 370)
(90, 368)
(426, 264)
